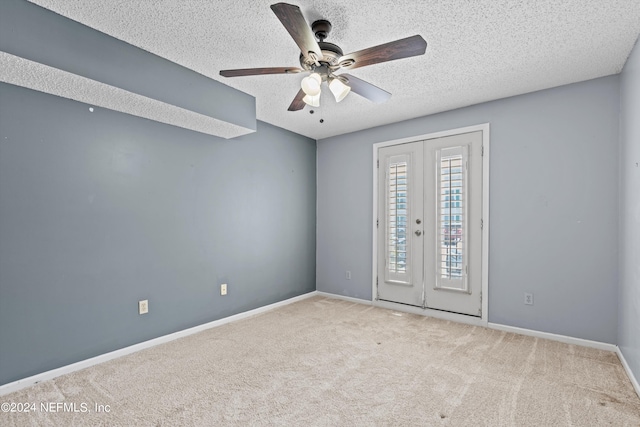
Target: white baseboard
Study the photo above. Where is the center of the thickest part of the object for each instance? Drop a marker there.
(625, 365)
(48, 375)
(555, 337)
(350, 299)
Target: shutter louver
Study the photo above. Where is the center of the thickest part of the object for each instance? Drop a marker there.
(397, 220)
(451, 249)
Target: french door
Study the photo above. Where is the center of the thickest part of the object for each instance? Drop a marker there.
(429, 223)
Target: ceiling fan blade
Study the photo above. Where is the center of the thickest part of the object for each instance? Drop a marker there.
(366, 89)
(403, 48)
(257, 71)
(292, 19)
(298, 103)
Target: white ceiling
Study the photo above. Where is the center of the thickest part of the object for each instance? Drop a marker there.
(478, 50)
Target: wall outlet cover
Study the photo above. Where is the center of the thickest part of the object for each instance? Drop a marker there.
(528, 298)
(143, 306)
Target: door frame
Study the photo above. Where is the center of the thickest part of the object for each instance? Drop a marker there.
(462, 318)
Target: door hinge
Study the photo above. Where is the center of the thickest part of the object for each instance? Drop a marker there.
(481, 224)
(377, 223)
(378, 163)
(377, 290)
(482, 151)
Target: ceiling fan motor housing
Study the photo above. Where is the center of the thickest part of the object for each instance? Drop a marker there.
(330, 52)
(330, 55)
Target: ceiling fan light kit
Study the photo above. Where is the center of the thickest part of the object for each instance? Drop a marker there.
(339, 89)
(323, 59)
(311, 84)
(314, 101)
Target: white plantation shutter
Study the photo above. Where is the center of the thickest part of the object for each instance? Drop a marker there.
(452, 215)
(397, 220)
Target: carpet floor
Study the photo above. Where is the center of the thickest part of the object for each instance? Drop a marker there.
(328, 362)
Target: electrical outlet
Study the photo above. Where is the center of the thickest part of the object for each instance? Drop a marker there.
(223, 289)
(143, 306)
(347, 274)
(528, 298)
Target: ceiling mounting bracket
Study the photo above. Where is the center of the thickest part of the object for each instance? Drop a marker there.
(321, 28)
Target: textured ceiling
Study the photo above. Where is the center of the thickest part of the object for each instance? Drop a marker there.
(477, 50)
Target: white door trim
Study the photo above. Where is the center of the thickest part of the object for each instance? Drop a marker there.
(485, 128)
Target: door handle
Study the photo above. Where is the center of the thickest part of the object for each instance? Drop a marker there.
(418, 232)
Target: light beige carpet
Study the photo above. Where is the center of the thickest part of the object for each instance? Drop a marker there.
(329, 362)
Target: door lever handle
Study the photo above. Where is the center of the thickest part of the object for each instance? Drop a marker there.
(418, 232)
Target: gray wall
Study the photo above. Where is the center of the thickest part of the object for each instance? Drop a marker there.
(553, 201)
(99, 210)
(629, 287)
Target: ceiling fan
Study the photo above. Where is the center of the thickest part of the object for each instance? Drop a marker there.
(323, 59)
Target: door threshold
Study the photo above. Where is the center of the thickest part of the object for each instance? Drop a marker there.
(429, 312)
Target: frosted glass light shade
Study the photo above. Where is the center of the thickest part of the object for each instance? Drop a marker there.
(339, 89)
(314, 101)
(311, 84)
